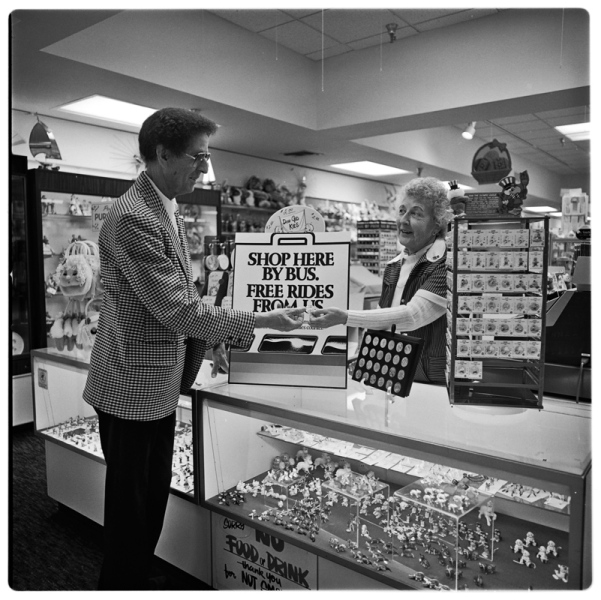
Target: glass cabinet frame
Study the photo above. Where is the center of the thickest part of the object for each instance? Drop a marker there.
(62, 417)
(546, 450)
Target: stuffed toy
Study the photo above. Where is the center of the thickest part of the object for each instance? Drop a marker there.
(254, 183)
(457, 199)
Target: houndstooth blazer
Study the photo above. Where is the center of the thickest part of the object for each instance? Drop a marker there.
(153, 329)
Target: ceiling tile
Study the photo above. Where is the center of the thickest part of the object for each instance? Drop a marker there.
(580, 112)
(299, 37)
(329, 52)
(376, 40)
(254, 20)
(513, 119)
(413, 16)
(299, 13)
(351, 25)
(453, 19)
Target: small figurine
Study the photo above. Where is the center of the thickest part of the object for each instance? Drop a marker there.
(525, 560)
(552, 548)
(529, 541)
(487, 511)
(518, 546)
(479, 581)
(542, 554)
(561, 573)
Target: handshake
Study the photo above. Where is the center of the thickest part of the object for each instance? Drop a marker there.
(288, 319)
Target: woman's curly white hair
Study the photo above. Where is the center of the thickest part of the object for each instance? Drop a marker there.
(431, 192)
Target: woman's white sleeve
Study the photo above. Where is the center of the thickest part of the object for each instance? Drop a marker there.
(419, 311)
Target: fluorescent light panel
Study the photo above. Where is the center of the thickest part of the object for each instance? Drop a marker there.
(576, 132)
(556, 214)
(367, 167)
(540, 209)
(109, 109)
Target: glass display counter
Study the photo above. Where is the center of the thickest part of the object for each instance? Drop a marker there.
(414, 492)
(63, 418)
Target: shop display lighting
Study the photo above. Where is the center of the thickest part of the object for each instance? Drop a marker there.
(470, 130)
(367, 167)
(109, 109)
(577, 132)
(540, 209)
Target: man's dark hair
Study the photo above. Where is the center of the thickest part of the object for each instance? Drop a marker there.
(174, 128)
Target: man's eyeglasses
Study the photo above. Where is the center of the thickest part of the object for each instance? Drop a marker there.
(197, 158)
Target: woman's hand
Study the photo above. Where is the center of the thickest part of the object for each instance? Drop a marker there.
(282, 319)
(322, 318)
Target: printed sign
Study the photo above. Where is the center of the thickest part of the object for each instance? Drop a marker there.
(245, 558)
(99, 212)
(292, 270)
(481, 205)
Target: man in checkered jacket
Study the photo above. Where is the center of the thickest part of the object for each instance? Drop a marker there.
(153, 333)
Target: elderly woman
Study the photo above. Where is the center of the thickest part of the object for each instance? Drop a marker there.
(414, 283)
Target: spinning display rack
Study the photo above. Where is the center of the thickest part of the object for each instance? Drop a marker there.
(496, 280)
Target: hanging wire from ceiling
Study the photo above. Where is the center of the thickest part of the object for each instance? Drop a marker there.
(381, 38)
(277, 29)
(563, 13)
(322, 52)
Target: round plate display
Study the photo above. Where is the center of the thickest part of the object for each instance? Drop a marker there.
(18, 343)
(384, 369)
(391, 345)
(367, 339)
(361, 362)
(364, 351)
(408, 348)
(380, 354)
(401, 374)
(372, 379)
(358, 373)
(381, 382)
(212, 262)
(392, 371)
(372, 352)
(369, 364)
(388, 357)
(404, 362)
(399, 347)
(376, 340)
(397, 388)
(377, 367)
(395, 359)
(383, 343)
(224, 262)
(295, 219)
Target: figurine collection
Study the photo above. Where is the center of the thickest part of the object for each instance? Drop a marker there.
(422, 525)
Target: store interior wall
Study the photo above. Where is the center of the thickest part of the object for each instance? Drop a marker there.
(106, 152)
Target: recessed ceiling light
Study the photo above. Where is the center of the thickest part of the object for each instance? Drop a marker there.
(109, 109)
(576, 132)
(367, 167)
(540, 209)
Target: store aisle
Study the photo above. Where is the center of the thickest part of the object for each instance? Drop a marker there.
(53, 548)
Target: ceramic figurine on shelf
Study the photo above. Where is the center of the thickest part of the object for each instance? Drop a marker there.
(561, 573)
(552, 548)
(525, 560)
(518, 546)
(487, 511)
(529, 541)
(542, 554)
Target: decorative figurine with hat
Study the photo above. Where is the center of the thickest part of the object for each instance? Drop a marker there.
(457, 199)
(513, 194)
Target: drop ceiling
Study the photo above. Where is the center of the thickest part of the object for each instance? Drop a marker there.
(41, 82)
